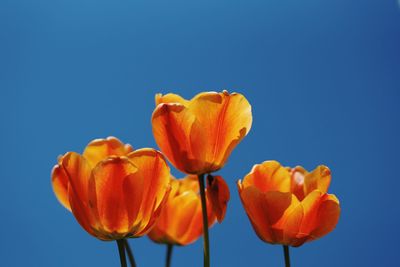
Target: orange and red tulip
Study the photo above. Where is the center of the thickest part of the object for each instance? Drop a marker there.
(180, 222)
(113, 191)
(289, 206)
(198, 135)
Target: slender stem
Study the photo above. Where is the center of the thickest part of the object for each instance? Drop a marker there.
(287, 256)
(130, 254)
(205, 221)
(121, 250)
(169, 255)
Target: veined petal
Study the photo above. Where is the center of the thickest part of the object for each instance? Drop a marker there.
(170, 98)
(172, 125)
(218, 194)
(268, 176)
(100, 149)
(107, 193)
(222, 121)
(78, 172)
(320, 178)
(155, 174)
(59, 180)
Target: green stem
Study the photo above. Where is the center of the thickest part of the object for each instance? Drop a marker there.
(287, 256)
(205, 221)
(130, 254)
(121, 249)
(169, 255)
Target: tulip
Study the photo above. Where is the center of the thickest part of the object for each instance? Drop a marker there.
(180, 222)
(113, 191)
(289, 206)
(198, 135)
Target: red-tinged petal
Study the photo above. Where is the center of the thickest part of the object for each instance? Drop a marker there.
(268, 176)
(59, 180)
(218, 194)
(108, 196)
(327, 216)
(78, 172)
(172, 125)
(320, 178)
(154, 216)
(222, 121)
(170, 98)
(155, 173)
(100, 149)
(297, 182)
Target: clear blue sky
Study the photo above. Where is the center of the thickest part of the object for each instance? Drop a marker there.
(323, 78)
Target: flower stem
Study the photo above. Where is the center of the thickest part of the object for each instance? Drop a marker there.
(121, 249)
(287, 256)
(169, 255)
(205, 221)
(130, 254)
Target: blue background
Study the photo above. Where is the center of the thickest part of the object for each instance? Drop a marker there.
(323, 78)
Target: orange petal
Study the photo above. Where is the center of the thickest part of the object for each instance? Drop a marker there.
(107, 193)
(155, 173)
(265, 210)
(268, 176)
(320, 178)
(170, 98)
(222, 121)
(78, 172)
(300, 219)
(172, 125)
(218, 195)
(327, 216)
(59, 180)
(100, 149)
(189, 183)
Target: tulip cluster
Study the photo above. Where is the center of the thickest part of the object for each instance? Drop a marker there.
(116, 192)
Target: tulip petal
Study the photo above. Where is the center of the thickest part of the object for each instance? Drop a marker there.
(155, 173)
(107, 193)
(218, 194)
(59, 180)
(78, 172)
(100, 149)
(327, 216)
(265, 210)
(319, 178)
(170, 98)
(172, 125)
(268, 176)
(222, 121)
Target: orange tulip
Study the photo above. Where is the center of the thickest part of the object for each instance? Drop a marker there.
(198, 135)
(289, 206)
(113, 191)
(180, 222)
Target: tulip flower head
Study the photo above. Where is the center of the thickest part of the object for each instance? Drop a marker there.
(113, 191)
(180, 222)
(198, 135)
(289, 206)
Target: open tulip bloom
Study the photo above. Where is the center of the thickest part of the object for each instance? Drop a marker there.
(113, 191)
(289, 206)
(180, 222)
(198, 135)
